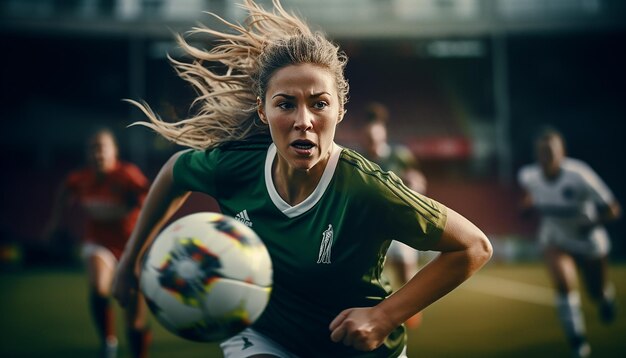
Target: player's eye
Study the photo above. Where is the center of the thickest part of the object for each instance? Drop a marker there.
(320, 104)
(285, 105)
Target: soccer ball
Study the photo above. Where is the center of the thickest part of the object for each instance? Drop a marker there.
(206, 277)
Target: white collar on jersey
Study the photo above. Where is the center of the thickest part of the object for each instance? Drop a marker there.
(311, 200)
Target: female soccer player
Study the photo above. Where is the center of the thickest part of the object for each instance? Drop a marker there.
(110, 192)
(573, 203)
(325, 213)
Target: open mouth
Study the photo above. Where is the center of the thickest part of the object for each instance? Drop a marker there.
(302, 144)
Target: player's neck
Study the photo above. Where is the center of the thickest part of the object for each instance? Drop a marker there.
(106, 168)
(293, 185)
(552, 174)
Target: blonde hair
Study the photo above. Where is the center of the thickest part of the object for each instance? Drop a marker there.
(227, 96)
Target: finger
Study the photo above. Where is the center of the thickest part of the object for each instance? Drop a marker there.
(338, 334)
(348, 339)
(337, 321)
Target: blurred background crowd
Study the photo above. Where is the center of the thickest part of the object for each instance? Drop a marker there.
(466, 83)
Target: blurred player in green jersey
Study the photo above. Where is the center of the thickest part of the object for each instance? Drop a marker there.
(263, 145)
(402, 260)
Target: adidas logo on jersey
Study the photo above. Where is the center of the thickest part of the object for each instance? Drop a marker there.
(244, 218)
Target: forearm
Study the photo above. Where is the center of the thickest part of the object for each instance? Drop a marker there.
(612, 212)
(606, 214)
(464, 250)
(435, 280)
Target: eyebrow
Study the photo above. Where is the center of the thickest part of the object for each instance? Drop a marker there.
(314, 95)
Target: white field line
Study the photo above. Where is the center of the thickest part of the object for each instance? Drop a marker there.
(510, 289)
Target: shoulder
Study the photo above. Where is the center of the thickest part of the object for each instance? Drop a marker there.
(77, 176)
(529, 173)
(257, 143)
(131, 172)
(402, 151)
(576, 166)
(582, 173)
(129, 168)
(404, 155)
(354, 162)
(364, 176)
(385, 196)
(227, 159)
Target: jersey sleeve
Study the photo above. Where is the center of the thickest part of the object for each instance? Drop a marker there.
(73, 181)
(410, 217)
(597, 189)
(137, 181)
(523, 177)
(196, 170)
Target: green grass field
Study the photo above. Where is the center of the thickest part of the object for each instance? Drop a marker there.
(504, 311)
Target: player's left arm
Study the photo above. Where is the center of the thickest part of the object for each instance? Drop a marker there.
(137, 186)
(606, 213)
(609, 209)
(464, 250)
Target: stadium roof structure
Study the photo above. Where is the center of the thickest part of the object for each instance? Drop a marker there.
(345, 19)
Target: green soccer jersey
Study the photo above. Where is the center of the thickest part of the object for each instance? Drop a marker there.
(328, 250)
(397, 158)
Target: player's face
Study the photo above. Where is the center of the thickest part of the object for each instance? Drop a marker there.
(375, 139)
(103, 152)
(550, 153)
(302, 109)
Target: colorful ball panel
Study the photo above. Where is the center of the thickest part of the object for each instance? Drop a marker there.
(206, 277)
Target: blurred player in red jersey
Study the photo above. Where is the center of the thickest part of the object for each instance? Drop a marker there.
(110, 193)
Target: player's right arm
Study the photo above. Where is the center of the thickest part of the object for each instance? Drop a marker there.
(526, 206)
(526, 203)
(60, 200)
(162, 201)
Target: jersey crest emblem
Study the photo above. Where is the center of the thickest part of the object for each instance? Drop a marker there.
(568, 193)
(325, 246)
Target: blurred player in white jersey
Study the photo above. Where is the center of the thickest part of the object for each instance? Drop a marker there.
(573, 203)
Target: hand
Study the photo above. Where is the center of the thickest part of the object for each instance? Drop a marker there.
(125, 282)
(364, 329)
(585, 229)
(586, 226)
